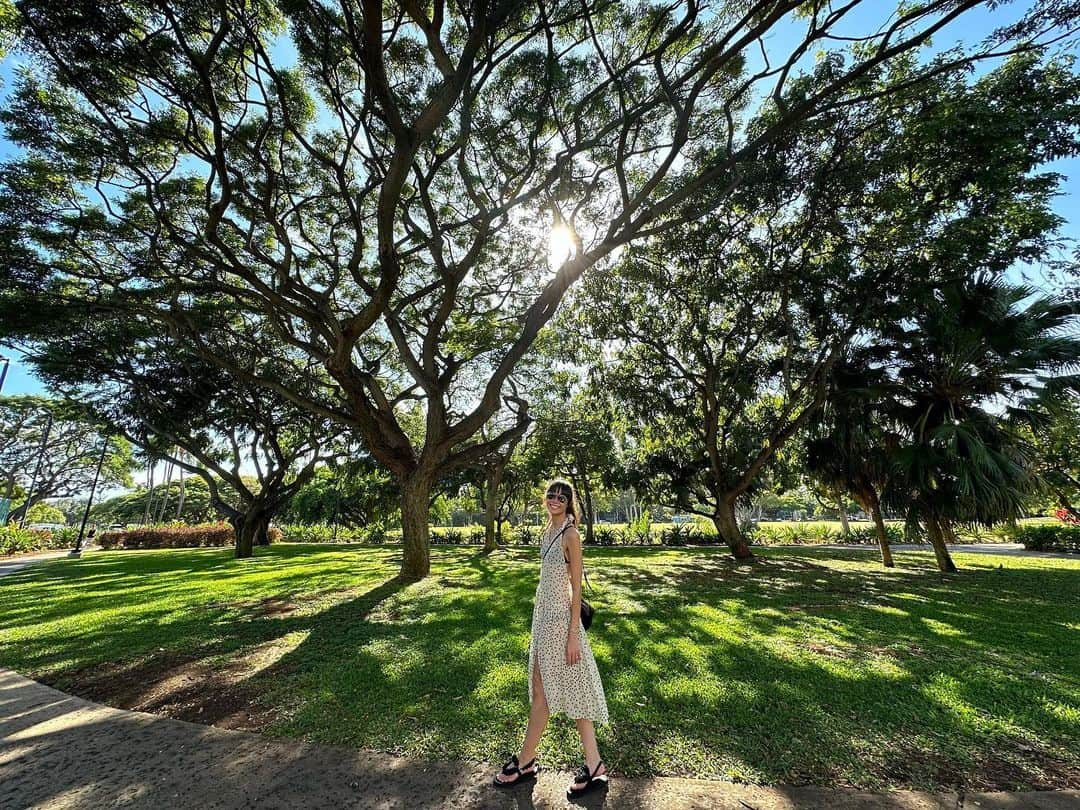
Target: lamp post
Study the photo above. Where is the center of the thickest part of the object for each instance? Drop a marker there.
(5, 502)
(37, 469)
(77, 551)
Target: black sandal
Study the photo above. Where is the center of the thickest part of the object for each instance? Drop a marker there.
(591, 780)
(511, 767)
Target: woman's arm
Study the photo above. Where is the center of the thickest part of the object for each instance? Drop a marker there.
(572, 546)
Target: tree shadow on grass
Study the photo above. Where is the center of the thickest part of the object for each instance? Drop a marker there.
(832, 676)
(787, 671)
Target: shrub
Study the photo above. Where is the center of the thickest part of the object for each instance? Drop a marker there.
(605, 536)
(324, 533)
(1065, 516)
(176, 536)
(374, 534)
(446, 537)
(1050, 537)
(683, 535)
(14, 540)
(640, 531)
(813, 533)
(62, 538)
(867, 535)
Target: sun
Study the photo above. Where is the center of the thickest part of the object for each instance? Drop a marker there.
(562, 245)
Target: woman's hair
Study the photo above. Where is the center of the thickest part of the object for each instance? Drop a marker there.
(571, 505)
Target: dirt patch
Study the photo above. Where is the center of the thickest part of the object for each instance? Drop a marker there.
(1019, 764)
(828, 650)
(273, 606)
(266, 607)
(184, 687)
(1012, 765)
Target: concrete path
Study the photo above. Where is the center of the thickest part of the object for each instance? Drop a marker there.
(60, 752)
(11, 564)
(1008, 549)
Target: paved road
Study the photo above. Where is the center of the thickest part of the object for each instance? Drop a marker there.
(58, 751)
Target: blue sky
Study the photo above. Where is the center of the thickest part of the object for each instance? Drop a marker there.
(970, 29)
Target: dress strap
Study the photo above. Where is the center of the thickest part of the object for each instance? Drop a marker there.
(551, 544)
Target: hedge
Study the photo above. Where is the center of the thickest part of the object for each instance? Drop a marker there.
(1049, 537)
(176, 536)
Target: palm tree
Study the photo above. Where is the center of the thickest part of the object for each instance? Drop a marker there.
(972, 364)
(849, 447)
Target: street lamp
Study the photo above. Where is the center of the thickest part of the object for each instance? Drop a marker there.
(37, 469)
(77, 551)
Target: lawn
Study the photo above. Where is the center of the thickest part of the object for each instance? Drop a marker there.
(811, 666)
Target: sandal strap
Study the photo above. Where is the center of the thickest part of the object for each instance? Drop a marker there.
(511, 767)
(585, 774)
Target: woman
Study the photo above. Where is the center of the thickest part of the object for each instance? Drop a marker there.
(563, 675)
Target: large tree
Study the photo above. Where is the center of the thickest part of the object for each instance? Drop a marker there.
(169, 401)
(851, 443)
(49, 448)
(723, 334)
(1056, 444)
(572, 439)
(376, 180)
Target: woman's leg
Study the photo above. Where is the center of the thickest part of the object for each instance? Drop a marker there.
(538, 720)
(588, 745)
(538, 716)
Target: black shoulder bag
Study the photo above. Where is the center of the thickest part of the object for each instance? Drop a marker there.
(587, 610)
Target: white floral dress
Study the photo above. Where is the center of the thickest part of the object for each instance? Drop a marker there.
(574, 689)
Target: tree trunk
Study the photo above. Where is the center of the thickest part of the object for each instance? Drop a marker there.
(165, 497)
(262, 532)
(845, 527)
(244, 530)
(491, 507)
(937, 540)
(870, 502)
(416, 551)
(882, 537)
(728, 528)
(587, 490)
(180, 505)
(149, 493)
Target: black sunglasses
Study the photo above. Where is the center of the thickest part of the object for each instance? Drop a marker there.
(561, 498)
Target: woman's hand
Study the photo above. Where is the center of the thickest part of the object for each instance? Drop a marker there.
(573, 649)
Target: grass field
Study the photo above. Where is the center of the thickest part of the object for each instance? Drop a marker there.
(810, 666)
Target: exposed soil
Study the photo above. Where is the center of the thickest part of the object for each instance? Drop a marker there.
(1015, 765)
(183, 687)
(1024, 764)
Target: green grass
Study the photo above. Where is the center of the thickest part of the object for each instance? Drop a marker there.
(810, 666)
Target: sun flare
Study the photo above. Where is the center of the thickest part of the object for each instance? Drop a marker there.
(561, 245)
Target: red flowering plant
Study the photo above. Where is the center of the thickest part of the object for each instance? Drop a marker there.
(1067, 516)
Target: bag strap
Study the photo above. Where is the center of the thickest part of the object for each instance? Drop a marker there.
(583, 571)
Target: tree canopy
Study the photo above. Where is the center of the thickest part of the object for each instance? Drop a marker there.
(374, 183)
